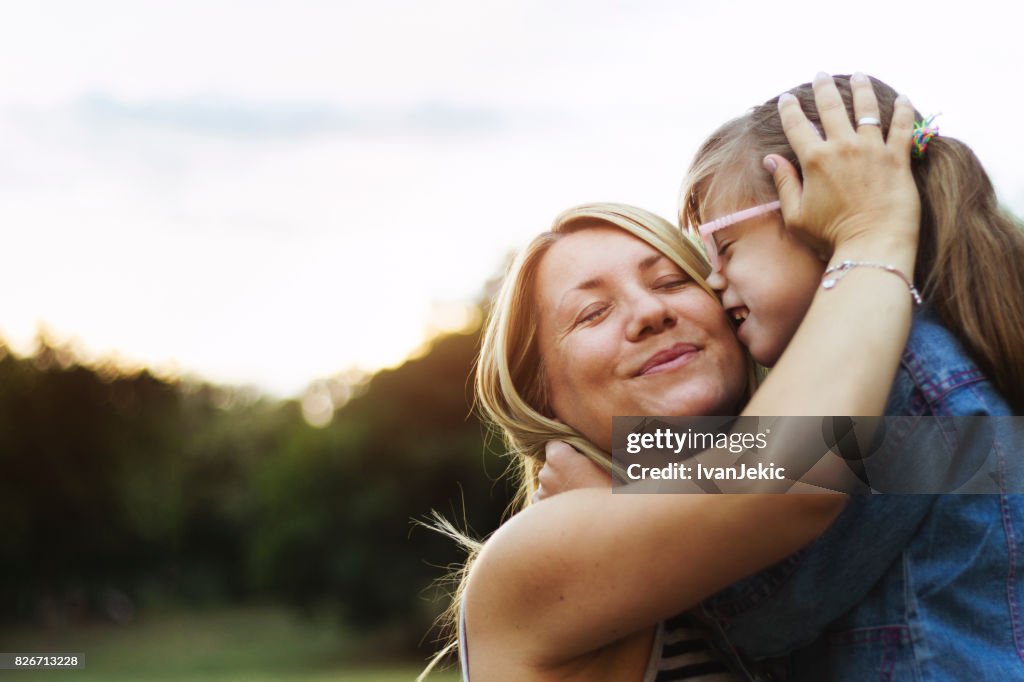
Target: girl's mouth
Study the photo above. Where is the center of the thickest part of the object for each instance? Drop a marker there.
(738, 315)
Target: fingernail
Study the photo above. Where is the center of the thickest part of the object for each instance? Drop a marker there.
(821, 76)
(859, 77)
(786, 97)
(770, 165)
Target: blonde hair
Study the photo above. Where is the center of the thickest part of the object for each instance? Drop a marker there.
(510, 385)
(970, 249)
(510, 381)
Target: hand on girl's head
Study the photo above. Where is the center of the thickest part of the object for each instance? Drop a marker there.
(854, 181)
(767, 269)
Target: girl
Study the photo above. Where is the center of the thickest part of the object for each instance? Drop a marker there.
(968, 264)
(899, 587)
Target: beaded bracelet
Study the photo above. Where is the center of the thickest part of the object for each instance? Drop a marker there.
(836, 272)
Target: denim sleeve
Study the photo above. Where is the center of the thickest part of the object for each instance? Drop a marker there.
(789, 604)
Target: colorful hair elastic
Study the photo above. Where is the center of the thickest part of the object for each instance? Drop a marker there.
(924, 131)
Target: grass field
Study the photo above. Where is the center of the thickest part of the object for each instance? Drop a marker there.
(243, 645)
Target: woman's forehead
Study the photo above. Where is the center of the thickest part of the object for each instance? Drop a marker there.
(592, 250)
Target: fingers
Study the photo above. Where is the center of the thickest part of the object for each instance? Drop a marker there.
(551, 479)
(788, 185)
(901, 129)
(831, 109)
(565, 468)
(790, 190)
(557, 453)
(801, 133)
(865, 106)
(545, 483)
(552, 457)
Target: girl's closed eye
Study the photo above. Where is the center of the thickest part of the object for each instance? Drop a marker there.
(724, 239)
(724, 245)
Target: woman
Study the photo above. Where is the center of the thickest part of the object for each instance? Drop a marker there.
(532, 608)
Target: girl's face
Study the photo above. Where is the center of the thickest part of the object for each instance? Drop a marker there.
(623, 331)
(766, 279)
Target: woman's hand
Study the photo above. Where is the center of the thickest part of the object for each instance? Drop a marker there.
(565, 468)
(856, 185)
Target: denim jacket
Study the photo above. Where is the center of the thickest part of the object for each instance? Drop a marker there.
(900, 587)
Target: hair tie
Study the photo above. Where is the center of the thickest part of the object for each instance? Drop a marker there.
(924, 131)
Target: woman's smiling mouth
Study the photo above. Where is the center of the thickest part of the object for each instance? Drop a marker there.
(668, 359)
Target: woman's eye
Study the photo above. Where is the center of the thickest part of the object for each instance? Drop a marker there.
(591, 314)
(672, 282)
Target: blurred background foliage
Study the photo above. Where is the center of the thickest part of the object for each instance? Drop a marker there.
(124, 494)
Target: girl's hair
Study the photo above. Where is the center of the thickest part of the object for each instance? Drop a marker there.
(511, 389)
(970, 249)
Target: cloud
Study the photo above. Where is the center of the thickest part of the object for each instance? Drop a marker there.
(220, 116)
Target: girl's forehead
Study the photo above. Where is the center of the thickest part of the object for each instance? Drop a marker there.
(718, 203)
(732, 192)
(734, 178)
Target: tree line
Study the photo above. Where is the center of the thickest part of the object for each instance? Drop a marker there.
(121, 491)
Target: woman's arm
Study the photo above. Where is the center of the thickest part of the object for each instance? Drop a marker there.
(586, 568)
(859, 194)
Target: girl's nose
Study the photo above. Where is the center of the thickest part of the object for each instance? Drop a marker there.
(717, 281)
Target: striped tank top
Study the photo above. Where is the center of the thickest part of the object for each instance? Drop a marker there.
(681, 651)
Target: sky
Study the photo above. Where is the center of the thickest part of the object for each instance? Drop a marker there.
(270, 193)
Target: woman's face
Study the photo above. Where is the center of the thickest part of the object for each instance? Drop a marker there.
(623, 331)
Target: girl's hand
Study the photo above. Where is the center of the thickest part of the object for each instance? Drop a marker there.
(565, 468)
(856, 184)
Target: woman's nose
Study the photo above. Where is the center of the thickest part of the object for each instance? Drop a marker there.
(651, 315)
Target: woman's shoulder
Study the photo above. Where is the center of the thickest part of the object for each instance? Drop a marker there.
(938, 377)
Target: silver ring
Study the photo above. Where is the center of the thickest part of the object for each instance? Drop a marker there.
(868, 121)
